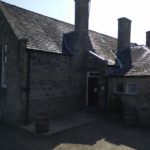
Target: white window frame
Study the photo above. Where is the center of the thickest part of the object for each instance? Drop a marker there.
(127, 86)
(116, 88)
(3, 66)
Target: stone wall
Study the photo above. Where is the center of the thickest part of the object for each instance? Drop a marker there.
(137, 104)
(10, 96)
(53, 86)
(58, 83)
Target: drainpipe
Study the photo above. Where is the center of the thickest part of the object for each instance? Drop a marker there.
(24, 76)
(26, 122)
(106, 96)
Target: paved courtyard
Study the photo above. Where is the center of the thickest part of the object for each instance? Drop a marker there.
(101, 134)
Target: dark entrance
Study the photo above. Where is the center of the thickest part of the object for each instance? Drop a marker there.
(92, 91)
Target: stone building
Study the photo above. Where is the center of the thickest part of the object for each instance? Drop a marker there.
(49, 65)
(52, 66)
(129, 81)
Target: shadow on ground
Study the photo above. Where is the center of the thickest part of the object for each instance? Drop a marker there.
(100, 134)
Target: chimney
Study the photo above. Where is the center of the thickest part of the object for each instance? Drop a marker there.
(81, 16)
(124, 30)
(148, 39)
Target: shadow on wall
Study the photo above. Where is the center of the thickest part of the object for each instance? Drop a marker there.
(71, 40)
(125, 63)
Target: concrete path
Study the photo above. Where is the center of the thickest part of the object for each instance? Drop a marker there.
(60, 124)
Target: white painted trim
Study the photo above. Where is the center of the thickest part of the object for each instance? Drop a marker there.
(96, 55)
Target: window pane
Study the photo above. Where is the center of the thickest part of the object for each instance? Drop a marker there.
(131, 88)
(119, 87)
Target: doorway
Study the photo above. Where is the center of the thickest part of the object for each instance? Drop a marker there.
(92, 89)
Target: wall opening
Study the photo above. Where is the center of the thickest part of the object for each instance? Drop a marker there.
(92, 89)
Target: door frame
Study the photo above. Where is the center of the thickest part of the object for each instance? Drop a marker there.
(90, 74)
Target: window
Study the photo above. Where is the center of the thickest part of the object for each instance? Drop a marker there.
(3, 66)
(119, 87)
(131, 88)
(93, 74)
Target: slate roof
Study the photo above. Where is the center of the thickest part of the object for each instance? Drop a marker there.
(46, 34)
(140, 58)
(135, 62)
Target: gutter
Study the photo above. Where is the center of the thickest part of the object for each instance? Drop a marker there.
(97, 56)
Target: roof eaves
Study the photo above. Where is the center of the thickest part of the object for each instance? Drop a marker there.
(46, 51)
(129, 76)
(99, 57)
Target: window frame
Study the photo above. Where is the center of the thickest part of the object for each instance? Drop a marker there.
(116, 88)
(131, 93)
(3, 65)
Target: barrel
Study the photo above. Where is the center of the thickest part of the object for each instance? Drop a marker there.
(130, 117)
(42, 122)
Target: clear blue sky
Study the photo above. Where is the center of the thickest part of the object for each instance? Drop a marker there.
(103, 14)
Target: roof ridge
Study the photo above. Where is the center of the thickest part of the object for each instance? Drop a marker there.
(12, 5)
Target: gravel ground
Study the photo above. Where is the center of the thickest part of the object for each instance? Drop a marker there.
(103, 134)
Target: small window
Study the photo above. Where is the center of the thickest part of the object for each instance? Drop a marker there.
(119, 87)
(93, 74)
(131, 88)
(3, 66)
